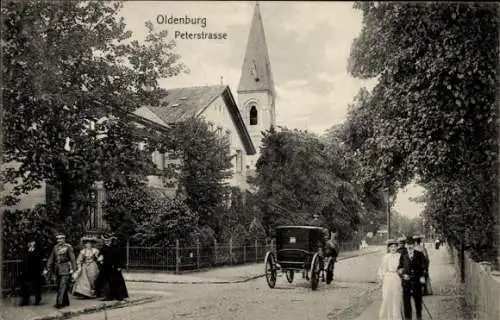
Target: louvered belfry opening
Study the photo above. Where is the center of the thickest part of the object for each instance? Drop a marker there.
(253, 116)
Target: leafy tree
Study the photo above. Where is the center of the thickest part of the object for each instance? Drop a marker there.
(404, 226)
(203, 169)
(298, 177)
(165, 222)
(71, 79)
(148, 218)
(238, 219)
(344, 143)
(21, 226)
(433, 110)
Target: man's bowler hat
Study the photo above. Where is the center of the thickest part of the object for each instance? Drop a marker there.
(108, 236)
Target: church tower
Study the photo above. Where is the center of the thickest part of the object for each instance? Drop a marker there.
(256, 94)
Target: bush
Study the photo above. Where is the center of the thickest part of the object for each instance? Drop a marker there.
(20, 226)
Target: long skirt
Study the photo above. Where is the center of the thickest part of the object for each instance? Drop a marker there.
(392, 298)
(112, 285)
(85, 282)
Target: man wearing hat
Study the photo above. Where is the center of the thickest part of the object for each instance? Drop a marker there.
(62, 261)
(420, 247)
(31, 277)
(412, 268)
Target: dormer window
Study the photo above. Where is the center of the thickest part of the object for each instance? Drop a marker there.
(253, 116)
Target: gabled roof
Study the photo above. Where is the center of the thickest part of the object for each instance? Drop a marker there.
(181, 104)
(256, 72)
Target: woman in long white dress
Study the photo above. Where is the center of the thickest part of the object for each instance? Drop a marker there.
(392, 291)
(88, 270)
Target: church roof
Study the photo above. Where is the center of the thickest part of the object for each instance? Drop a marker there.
(180, 104)
(256, 72)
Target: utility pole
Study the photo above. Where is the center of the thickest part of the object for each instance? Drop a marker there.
(1, 192)
(388, 213)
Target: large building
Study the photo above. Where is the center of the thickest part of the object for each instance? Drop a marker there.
(242, 119)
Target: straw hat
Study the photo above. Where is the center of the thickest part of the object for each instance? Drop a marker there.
(88, 239)
(390, 242)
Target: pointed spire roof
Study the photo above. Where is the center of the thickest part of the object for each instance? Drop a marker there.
(256, 72)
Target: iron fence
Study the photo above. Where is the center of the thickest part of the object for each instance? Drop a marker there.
(192, 258)
(12, 270)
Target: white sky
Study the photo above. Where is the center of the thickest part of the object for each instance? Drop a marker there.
(308, 43)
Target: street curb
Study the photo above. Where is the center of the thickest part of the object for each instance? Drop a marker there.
(238, 281)
(115, 305)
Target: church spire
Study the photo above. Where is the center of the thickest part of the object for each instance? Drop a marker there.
(256, 72)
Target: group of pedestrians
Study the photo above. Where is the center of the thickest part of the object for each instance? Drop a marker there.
(93, 273)
(404, 273)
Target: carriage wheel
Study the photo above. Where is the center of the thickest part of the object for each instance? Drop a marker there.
(271, 271)
(289, 276)
(315, 272)
(329, 271)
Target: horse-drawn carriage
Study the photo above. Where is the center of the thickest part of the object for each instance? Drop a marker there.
(300, 248)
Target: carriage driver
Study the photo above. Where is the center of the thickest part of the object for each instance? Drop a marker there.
(329, 247)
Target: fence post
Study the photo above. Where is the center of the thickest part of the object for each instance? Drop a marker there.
(215, 253)
(177, 256)
(127, 254)
(256, 251)
(198, 254)
(244, 252)
(231, 250)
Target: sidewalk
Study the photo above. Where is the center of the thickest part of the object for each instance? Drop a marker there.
(223, 275)
(9, 309)
(446, 303)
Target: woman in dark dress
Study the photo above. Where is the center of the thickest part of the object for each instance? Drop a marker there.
(111, 283)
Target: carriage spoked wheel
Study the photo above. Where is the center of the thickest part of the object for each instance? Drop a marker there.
(329, 271)
(289, 276)
(271, 270)
(315, 272)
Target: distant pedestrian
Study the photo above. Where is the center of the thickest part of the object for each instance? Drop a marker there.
(110, 280)
(392, 292)
(31, 276)
(364, 245)
(437, 243)
(63, 263)
(86, 275)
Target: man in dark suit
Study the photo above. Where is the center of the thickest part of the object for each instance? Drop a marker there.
(31, 277)
(412, 268)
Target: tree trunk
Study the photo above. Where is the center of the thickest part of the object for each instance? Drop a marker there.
(65, 199)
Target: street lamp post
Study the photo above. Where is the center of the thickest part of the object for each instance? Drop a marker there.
(388, 214)
(1, 205)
